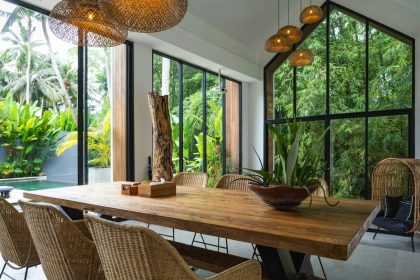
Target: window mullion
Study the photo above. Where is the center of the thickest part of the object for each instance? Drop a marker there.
(327, 143)
(181, 115)
(204, 89)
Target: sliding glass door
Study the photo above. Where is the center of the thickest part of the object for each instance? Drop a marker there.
(63, 108)
(205, 117)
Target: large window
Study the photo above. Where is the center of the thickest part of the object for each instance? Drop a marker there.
(205, 121)
(63, 108)
(360, 87)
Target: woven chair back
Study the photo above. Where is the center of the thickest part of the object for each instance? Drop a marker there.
(191, 179)
(65, 253)
(134, 252)
(16, 245)
(398, 176)
(233, 182)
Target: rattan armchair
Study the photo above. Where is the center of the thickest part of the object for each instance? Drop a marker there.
(191, 179)
(135, 252)
(228, 182)
(65, 248)
(233, 182)
(16, 245)
(187, 179)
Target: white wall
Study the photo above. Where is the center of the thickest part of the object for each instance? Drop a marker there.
(253, 123)
(142, 120)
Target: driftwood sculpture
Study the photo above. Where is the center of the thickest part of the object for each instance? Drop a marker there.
(162, 137)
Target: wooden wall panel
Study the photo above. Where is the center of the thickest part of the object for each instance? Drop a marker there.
(118, 105)
(232, 124)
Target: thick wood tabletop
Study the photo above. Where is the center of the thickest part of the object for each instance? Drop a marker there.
(332, 232)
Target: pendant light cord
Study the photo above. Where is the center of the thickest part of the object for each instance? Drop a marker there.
(278, 14)
(288, 12)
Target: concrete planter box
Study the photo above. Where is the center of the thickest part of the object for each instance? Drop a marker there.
(99, 175)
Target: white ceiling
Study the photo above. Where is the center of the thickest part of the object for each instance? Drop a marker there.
(242, 26)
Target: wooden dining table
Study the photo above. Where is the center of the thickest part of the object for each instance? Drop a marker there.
(285, 239)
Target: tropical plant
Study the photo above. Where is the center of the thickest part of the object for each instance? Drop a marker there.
(295, 165)
(65, 122)
(29, 137)
(99, 144)
(289, 170)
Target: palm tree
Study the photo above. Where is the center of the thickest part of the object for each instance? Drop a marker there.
(20, 14)
(60, 79)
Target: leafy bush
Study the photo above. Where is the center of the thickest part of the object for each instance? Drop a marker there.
(99, 143)
(29, 136)
(65, 122)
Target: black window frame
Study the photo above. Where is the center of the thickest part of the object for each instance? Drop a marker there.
(181, 63)
(82, 147)
(278, 59)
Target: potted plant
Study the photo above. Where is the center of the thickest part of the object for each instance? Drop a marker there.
(296, 172)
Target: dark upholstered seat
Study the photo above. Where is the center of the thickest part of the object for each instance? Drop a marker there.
(393, 225)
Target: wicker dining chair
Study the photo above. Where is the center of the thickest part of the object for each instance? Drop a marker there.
(191, 179)
(16, 245)
(228, 182)
(135, 252)
(65, 248)
(187, 179)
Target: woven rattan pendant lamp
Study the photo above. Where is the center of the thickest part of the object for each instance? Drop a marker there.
(278, 43)
(311, 14)
(91, 23)
(292, 32)
(301, 57)
(149, 16)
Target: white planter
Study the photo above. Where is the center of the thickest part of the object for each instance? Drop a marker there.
(99, 175)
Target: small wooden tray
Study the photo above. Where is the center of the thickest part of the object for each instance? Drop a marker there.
(130, 188)
(159, 189)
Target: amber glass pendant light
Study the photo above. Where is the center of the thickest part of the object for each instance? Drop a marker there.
(278, 43)
(301, 57)
(292, 32)
(311, 14)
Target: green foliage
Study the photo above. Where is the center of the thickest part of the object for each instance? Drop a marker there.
(389, 84)
(99, 143)
(294, 166)
(29, 137)
(65, 122)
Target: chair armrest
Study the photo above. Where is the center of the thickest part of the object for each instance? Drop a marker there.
(249, 270)
(81, 225)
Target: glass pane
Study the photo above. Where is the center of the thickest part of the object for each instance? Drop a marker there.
(313, 132)
(166, 81)
(38, 103)
(347, 63)
(348, 158)
(283, 92)
(214, 129)
(390, 72)
(99, 115)
(193, 119)
(311, 80)
(232, 127)
(388, 137)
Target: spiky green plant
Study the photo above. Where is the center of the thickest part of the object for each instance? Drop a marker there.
(294, 166)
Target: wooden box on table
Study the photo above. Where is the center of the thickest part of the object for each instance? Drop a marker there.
(155, 189)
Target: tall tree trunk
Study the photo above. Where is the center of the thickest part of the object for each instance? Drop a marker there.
(162, 137)
(28, 63)
(66, 95)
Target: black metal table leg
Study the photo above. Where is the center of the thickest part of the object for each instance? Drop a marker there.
(282, 264)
